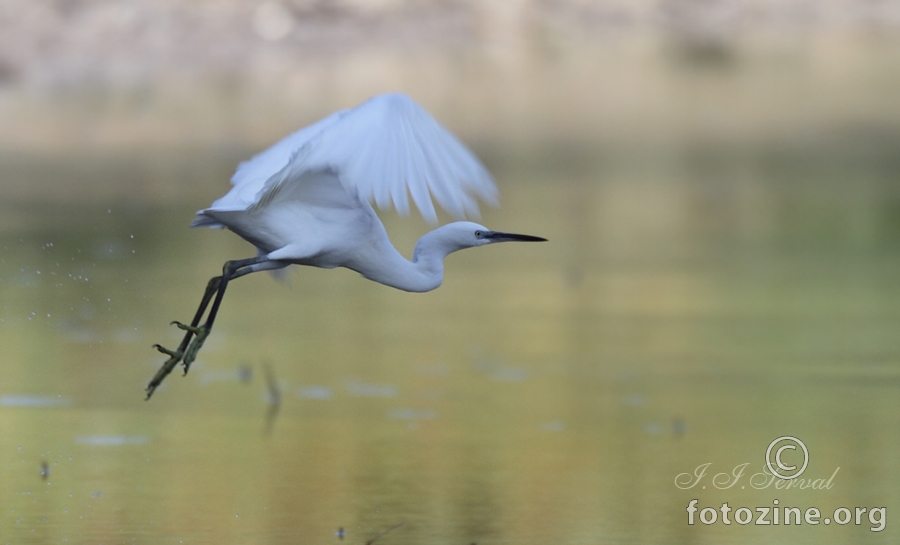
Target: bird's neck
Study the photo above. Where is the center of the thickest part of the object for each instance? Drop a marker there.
(424, 273)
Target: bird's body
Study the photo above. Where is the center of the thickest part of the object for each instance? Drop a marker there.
(305, 201)
(339, 232)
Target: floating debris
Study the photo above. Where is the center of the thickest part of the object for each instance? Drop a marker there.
(45, 470)
(340, 533)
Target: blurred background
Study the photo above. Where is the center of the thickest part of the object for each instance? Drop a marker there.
(719, 183)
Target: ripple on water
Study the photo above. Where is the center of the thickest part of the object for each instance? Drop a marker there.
(111, 440)
(27, 400)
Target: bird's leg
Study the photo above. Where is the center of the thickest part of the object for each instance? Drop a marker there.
(211, 288)
(176, 355)
(187, 350)
(231, 270)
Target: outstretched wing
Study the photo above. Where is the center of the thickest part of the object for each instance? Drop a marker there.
(251, 176)
(384, 150)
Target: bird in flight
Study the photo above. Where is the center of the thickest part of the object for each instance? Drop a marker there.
(306, 201)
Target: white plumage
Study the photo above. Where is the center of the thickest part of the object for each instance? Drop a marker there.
(306, 201)
(382, 150)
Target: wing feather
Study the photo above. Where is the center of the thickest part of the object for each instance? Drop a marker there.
(413, 174)
(421, 194)
(384, 150)
(392, 174)
(446, 188)
(250, 176)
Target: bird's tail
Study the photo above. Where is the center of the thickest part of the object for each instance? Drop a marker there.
(202, 220)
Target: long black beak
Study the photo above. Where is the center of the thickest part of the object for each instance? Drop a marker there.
(496, 236)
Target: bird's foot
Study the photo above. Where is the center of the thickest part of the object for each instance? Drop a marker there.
(177, 354)
(174, 357)
(200, 335)
(185, 327)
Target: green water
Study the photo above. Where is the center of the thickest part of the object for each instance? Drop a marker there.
(692, 305)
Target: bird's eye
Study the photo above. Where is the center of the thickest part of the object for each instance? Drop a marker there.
(479, 234)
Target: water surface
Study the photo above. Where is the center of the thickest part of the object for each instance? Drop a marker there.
(692, 305)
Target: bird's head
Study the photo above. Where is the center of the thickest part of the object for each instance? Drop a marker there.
(435, 246)
(466, 234)
(483, 235)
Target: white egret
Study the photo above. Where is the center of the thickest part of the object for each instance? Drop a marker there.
(305, 201)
